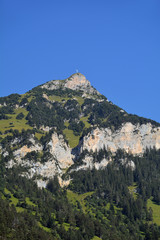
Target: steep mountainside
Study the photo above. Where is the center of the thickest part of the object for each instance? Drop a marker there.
(48, 128)
(107, 161)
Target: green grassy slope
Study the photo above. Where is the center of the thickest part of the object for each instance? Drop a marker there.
(156, 211)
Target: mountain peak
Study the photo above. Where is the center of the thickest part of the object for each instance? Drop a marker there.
(76, 81)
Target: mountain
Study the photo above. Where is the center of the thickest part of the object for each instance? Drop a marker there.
(86, 152)
(65, 118)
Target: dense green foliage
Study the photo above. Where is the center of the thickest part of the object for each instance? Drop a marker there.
(106, 114)
(76, 127)
(3, 116)
(40, 114)
(20, 116)
(111, 211)
(111, 186)
(10, 100)
(6, 110)
(146, 175)
(24, 101)
(18, 226)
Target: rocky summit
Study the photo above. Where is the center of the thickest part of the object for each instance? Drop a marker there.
(76, 81)
(74, 166)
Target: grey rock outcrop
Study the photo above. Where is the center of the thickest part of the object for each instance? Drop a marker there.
(76, 81)
(60, 151)
(60, 159)
(131, 138)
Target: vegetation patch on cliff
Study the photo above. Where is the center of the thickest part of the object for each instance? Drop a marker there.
(71, 138)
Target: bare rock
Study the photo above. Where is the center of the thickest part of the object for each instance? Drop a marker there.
(76, 81)
(61, 151)
(131, 138)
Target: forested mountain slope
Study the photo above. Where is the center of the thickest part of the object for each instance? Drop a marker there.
(96, 166)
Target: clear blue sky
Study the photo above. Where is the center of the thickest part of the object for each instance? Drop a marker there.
(115, 44)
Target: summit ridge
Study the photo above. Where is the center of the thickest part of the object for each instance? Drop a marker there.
(76, 81)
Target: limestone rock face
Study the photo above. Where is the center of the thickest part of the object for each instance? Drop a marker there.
(59, 160)
(131, 138)
(52, 85)
(76, 81)
(60, 151)
(21, 152)
(89, 164)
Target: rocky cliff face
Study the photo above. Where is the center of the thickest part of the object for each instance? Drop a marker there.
(60, 151)
(60, 159)
(131, 138)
